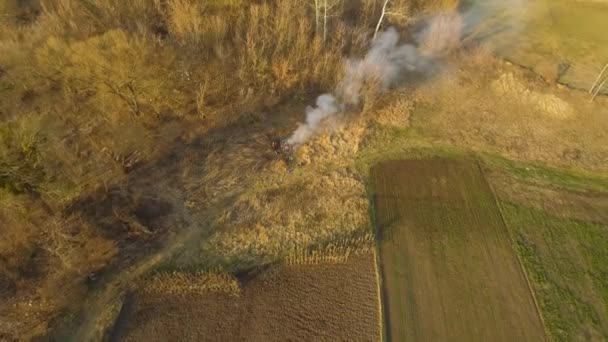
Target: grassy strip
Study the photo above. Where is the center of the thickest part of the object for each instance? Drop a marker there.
(394, 144)
(536, 173)
(336, 250)
(566, 261)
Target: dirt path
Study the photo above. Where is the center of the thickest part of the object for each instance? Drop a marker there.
(95, 318)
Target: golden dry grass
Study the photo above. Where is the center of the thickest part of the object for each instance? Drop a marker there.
(178, 283)
(337, 252)
(494, 106)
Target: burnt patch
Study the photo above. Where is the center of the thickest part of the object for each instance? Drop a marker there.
(149, 211)
(34, 267)
(8, 288)
(160, 30)
(246, 276)
(120, 214)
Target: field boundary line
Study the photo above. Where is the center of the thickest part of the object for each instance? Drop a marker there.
(379, 293)
(519, 261)
(382, 295)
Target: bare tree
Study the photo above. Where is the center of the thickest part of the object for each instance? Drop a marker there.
(598, 79)
(317, 7)
(598, 89)
(384, 6)
(597, 86)
(386, 11)
(323, 10)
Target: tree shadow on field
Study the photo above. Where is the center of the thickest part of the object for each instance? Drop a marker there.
(148, 209)
(152, 200)
(384, 227)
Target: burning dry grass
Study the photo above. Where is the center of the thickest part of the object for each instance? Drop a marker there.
(108, 80)
(261, 208)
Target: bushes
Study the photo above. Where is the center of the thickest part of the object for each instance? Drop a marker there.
(20, 169)
(85, 18)
(117, 72)
(185, 19)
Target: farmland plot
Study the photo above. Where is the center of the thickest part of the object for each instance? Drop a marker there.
(448, 268)
(321, 302)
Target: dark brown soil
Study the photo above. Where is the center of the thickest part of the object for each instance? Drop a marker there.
(328, 302)
(449, 270)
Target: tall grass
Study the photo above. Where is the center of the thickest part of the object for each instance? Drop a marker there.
(279, 51)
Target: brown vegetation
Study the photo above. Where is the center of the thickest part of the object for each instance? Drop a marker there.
(124, 124)
(175, 283)
(115, 122)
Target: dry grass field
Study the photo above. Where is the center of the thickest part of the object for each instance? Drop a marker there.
(319, 302)
(136, 135)
(449, 270)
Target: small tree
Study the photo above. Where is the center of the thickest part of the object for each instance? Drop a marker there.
(381, 18)
(317, 8)
(323, 10)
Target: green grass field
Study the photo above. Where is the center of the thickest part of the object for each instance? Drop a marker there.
(449, 271)
(567, 261)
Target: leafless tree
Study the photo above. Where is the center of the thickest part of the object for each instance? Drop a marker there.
(385, 12)
(323, 10)
(598, 79)
(384, 6)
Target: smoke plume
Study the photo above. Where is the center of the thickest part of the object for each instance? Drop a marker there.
(327, 106)
(387, 63)
(384, 63)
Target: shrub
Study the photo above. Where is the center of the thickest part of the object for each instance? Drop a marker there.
(117, 72)
(86, 18)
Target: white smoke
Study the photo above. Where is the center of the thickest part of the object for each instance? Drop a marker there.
(387, 63)
(384, 63)
(327, 106)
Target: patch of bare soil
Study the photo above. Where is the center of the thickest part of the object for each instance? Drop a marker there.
(325, 302)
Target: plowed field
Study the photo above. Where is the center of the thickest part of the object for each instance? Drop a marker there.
(448, 267)
(327, 302)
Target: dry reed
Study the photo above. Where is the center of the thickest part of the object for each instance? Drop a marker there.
(181, 283)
